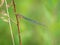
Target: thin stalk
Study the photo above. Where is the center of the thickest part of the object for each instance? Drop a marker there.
(10, 24)
(18, 24)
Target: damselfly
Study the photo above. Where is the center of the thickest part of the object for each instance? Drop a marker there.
(31, 20)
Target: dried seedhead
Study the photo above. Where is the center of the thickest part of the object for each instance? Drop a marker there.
(2, 2)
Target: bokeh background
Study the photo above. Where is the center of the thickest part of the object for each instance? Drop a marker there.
(44, 11)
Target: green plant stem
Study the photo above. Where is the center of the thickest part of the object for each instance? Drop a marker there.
(9, 23)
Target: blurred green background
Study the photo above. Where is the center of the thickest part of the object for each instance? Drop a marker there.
(43, 11)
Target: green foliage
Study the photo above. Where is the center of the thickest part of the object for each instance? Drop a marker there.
(44, 11)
